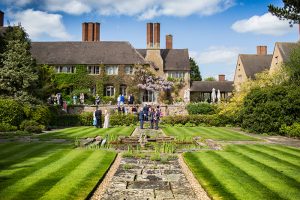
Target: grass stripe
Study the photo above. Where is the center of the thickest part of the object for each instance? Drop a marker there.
(24, 169)
(281, 184)
(284, 151)
(12, 149)
(235, 134)
(75, 177)
(51, 179)
(290, 170)
(38, 175)
(207, 178)
(62, 133)
(244, 185)
(289, 159)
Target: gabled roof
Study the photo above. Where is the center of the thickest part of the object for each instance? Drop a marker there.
(174, 59)
(286, 48)
(104, 52)
(254, 63)
(207, 86)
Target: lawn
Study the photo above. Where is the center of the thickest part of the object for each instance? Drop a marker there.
(215, 133)
(248, 172)
(50, 171)
(87, 131)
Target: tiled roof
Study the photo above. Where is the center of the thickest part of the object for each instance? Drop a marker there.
(254, 63)
(286, 48)
(104, 52)
(174, 59)
(207, 86)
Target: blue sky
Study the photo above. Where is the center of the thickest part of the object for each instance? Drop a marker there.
(214, 31)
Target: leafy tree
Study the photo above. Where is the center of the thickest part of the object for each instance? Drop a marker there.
(195, 72)
(210, 79)
(18, 70)
(292, 66)
(290, 11)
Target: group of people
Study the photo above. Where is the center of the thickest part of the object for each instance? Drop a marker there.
(97, 118)
(149, 114)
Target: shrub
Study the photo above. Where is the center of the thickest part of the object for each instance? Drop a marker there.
(291, 131)
(5, 127)
(123, 120)
(41, 114)
(11, 112)
(33, 129)
(86, 119)
(201, 108)
(107, 99)
(66, 120)
(267, 109)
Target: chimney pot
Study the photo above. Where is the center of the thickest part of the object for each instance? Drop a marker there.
(221, 77)
(261, 50)
(149, 35)
(157, 35)
(90, 31)
(169, 41)
(1, 18)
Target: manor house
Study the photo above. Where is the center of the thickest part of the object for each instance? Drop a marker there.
(117, 59)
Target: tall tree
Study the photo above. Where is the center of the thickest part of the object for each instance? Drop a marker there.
(210, 79)
(290, 11)
(18, 70)
(195, 72)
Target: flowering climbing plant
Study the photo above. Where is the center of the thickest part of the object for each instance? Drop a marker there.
(148, 81)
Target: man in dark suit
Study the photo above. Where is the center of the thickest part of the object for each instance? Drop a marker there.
(98, 115)
(131, 99)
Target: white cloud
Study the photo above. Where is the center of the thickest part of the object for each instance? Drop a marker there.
(18, 3)
(266, 24)
(143, 9)
(38, 24)
(216, 55)
(75, 7)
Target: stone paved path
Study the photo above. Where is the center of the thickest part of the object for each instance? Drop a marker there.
(141, 179)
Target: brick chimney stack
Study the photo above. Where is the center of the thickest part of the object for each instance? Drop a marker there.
(261, 50)
(149, 35)
(221, 77)
(169, 41)
(90, 31)
(1, 18)
(157, 35)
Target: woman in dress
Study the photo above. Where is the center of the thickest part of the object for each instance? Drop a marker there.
(106, 119)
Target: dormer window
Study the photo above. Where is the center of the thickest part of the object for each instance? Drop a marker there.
(129, 70)
(176, 74)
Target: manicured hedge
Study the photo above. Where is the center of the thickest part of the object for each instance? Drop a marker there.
(11, 112)
(201, 108)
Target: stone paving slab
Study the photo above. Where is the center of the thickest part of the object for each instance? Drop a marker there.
(146, 179)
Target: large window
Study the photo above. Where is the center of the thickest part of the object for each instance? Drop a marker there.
(65, 69)
(129, 70)
(93, 69)
(111, 70)
(123, 89)
(176, 74)
(148, 96)
(109, 91)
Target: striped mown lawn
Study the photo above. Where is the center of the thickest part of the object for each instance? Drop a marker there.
(248, 172)
(216, 133)
(87, 131)
(50, 171)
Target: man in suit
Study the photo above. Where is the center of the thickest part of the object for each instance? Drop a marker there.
(141, 118)
(98, 115)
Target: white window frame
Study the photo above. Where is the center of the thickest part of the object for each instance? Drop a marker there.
(129, 69)
(111, 70)
(109, 91)
(148, 96)
(93, 69)
(176, 74)
(65, 69)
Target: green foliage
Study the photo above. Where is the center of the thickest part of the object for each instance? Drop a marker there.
(195, 72)
(210, 79)
(41, 114)
(291, 131)
(86, 119)
(123, 120)
(5, 127)
(266, 109)
(290, 11)
(195, 120)
(46, 85)
(293, 66)
(33, 129)
(106, 100)
(18, 70)
(201, 108)
(11, 112)
(155, 157)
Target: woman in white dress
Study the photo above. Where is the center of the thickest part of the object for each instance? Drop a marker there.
(106, 119)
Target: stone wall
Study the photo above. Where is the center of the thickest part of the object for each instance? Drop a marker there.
(165, 109)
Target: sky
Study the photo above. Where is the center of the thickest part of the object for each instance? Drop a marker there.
(214, 31)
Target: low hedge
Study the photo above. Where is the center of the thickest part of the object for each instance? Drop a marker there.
(11, 112)
(291, 131)
(5, 127)
(195, 120)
